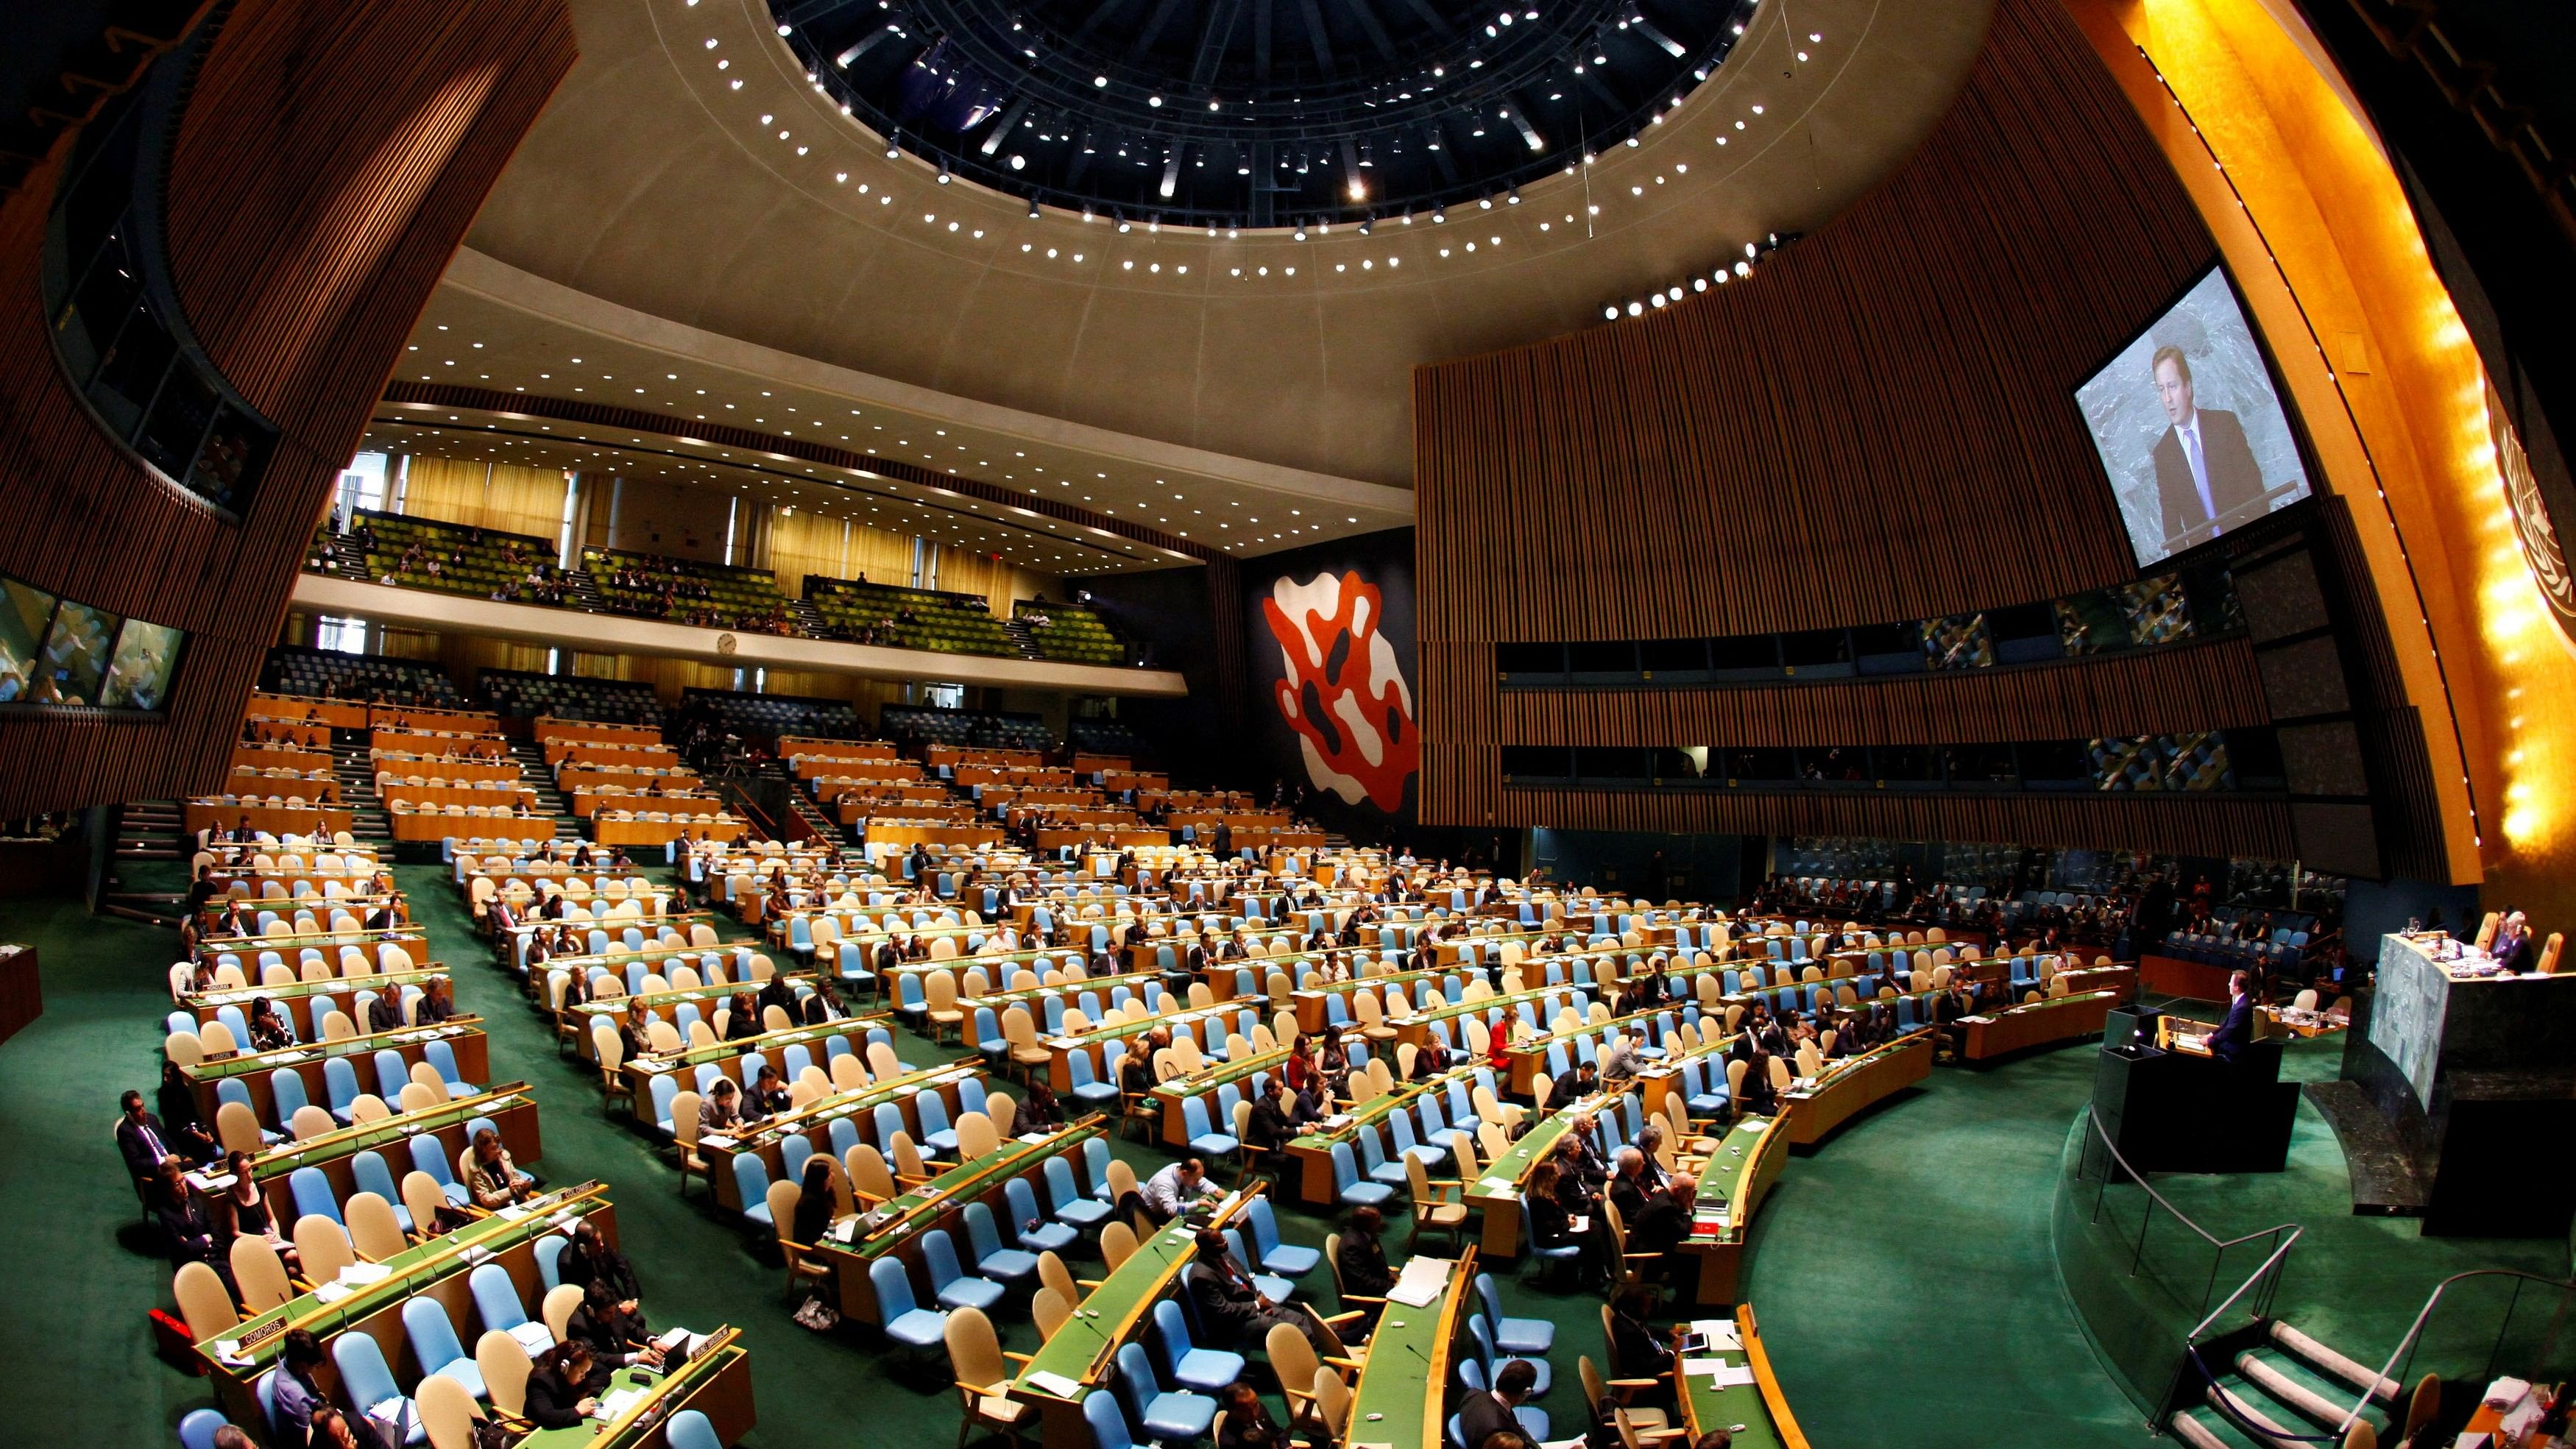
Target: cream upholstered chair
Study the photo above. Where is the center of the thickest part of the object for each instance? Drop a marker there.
(237, 1127)
(260, 1274)
(322, 1247)
(373, 1229)
(976, 1137)
(503, 1362)
(983, 1373)
(1047, 1309)
(557, 1308)
(1434, 1205)
(423, 1197)
(369, 1108)
(204, 1301)
(447, 1412)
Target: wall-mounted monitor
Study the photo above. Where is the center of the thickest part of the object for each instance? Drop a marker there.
(2190, 427)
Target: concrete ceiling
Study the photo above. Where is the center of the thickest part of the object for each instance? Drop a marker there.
(691, 197)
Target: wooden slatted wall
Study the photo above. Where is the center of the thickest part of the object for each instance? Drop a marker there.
(328, 163)
(1877, 426)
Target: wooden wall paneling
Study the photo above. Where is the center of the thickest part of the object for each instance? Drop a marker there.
(1875, 426)
(2214, 685)
(328, 161)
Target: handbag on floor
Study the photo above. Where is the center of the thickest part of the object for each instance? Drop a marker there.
(817, 1315)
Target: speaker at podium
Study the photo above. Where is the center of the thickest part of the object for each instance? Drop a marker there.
(2169, 1105)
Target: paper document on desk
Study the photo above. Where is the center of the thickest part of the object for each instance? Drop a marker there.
(533, 1337)
(714, 1139)
(616, 1402)
(1049, 1382)
(1716, 1332)
(1720, 1373)
(1423, 1282)
(359, 1275)
(332, 1292)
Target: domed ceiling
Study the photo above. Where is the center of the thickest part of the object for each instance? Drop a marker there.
(1254, 113)
(702, 170)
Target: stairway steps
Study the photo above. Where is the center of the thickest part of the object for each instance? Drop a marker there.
(2210, 1433)
(2269, 1428)
(2333, 1364)
(2294, 1387)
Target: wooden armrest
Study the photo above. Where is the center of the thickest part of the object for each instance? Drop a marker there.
(1023, 1358)
(1353, 1364)
(1088, 1282)
(1360, 1298)
(1641, 1257)
(1341, 1318)
(1634, 1383)
(1658, 1435)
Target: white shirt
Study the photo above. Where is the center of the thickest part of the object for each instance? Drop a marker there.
(1162, 1191)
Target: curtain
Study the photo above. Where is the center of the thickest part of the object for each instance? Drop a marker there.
(999, 582)
(504, 497)
(806, 542)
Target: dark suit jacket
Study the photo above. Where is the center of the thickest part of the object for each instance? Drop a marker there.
(2521, 956)
(2235, 479)
(139, 1159)
(2236, 1033)
(1481, 1416)
(1660, 1227)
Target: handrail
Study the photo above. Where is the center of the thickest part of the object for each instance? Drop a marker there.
(2406, 1344)
(2179, 1215)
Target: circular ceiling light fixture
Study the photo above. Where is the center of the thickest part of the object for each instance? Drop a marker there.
(1015, 94)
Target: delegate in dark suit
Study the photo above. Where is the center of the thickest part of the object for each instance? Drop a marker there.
(2236, 1033)
(1481, 1416)
(2235, 479)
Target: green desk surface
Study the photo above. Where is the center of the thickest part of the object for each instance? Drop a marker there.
(1218, 1074)
(1026, 995)
(410, 1269)
(959, 1185)
(1735, 1155)
(1742, 1408)
(254, 1063)
(767, 1041)
(1377, 1109)
(1111, 1313)
(349, 1141)
(327, 986)
(644, 1415)
(1500, 999)
(411, 938)
(1101, 1032)
(824, 1110)
(1399, 1396)
(612, 1009)
(1843, 1070)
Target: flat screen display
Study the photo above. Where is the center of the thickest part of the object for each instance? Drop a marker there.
(23, 612)
(138, 676)
(76, 654)
(2189, 427)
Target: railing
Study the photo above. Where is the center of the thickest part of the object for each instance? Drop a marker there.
(2263, 1283)
(2547, 1355)
(2145, 1297)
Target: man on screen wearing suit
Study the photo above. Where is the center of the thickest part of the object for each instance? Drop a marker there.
(2205, 470)
(2236, 1033)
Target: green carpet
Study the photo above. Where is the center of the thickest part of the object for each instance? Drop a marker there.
(1902, 1272)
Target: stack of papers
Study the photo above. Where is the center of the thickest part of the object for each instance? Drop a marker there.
(1424, 1282)
(1055, 1383)
(616, 1402)
(1716, 1333)
(359, 1275)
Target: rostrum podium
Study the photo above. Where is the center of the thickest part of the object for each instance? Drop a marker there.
(2169, 1106)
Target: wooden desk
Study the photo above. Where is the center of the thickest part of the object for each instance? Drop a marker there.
(2019, 1028)
(1398, 1399)
(245, 951)
(504, 792)
(1112, 836)
(547, 728)
(347, 714)
(22, 989)
(338, 993)
(716, 1383)
(1169, 1095)
(632, 831)
(939, 1203)
(1496, 1196)
(612, 755)
(663, 1005)
(1108, 1316)
(432, 825)
(428, 717)
(437, 1268)
(445, 767)
(295, 732)
(265, 757)
(463, 1035)
(220, 817)
(1854, 1084)
(587, 802)
(1757, 1412)
(511, 1108)
(726, 1057)
(1732, 1185)
(813, 1122)
(1312, 1151)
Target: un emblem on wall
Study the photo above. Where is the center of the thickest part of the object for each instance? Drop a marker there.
(2532, 525)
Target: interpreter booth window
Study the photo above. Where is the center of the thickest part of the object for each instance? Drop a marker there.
(344, 636)
(362, 485)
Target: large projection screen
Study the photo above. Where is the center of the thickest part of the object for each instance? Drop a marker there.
(2189, 427)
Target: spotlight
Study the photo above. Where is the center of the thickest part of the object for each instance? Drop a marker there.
(1301, 231)
(1033, 211)
(1123, 227)
(1515, 198)
(1611, 311)
(894, 146)
(1368, 225)
(1439, 215)
(943, 173)
(1634, 308)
